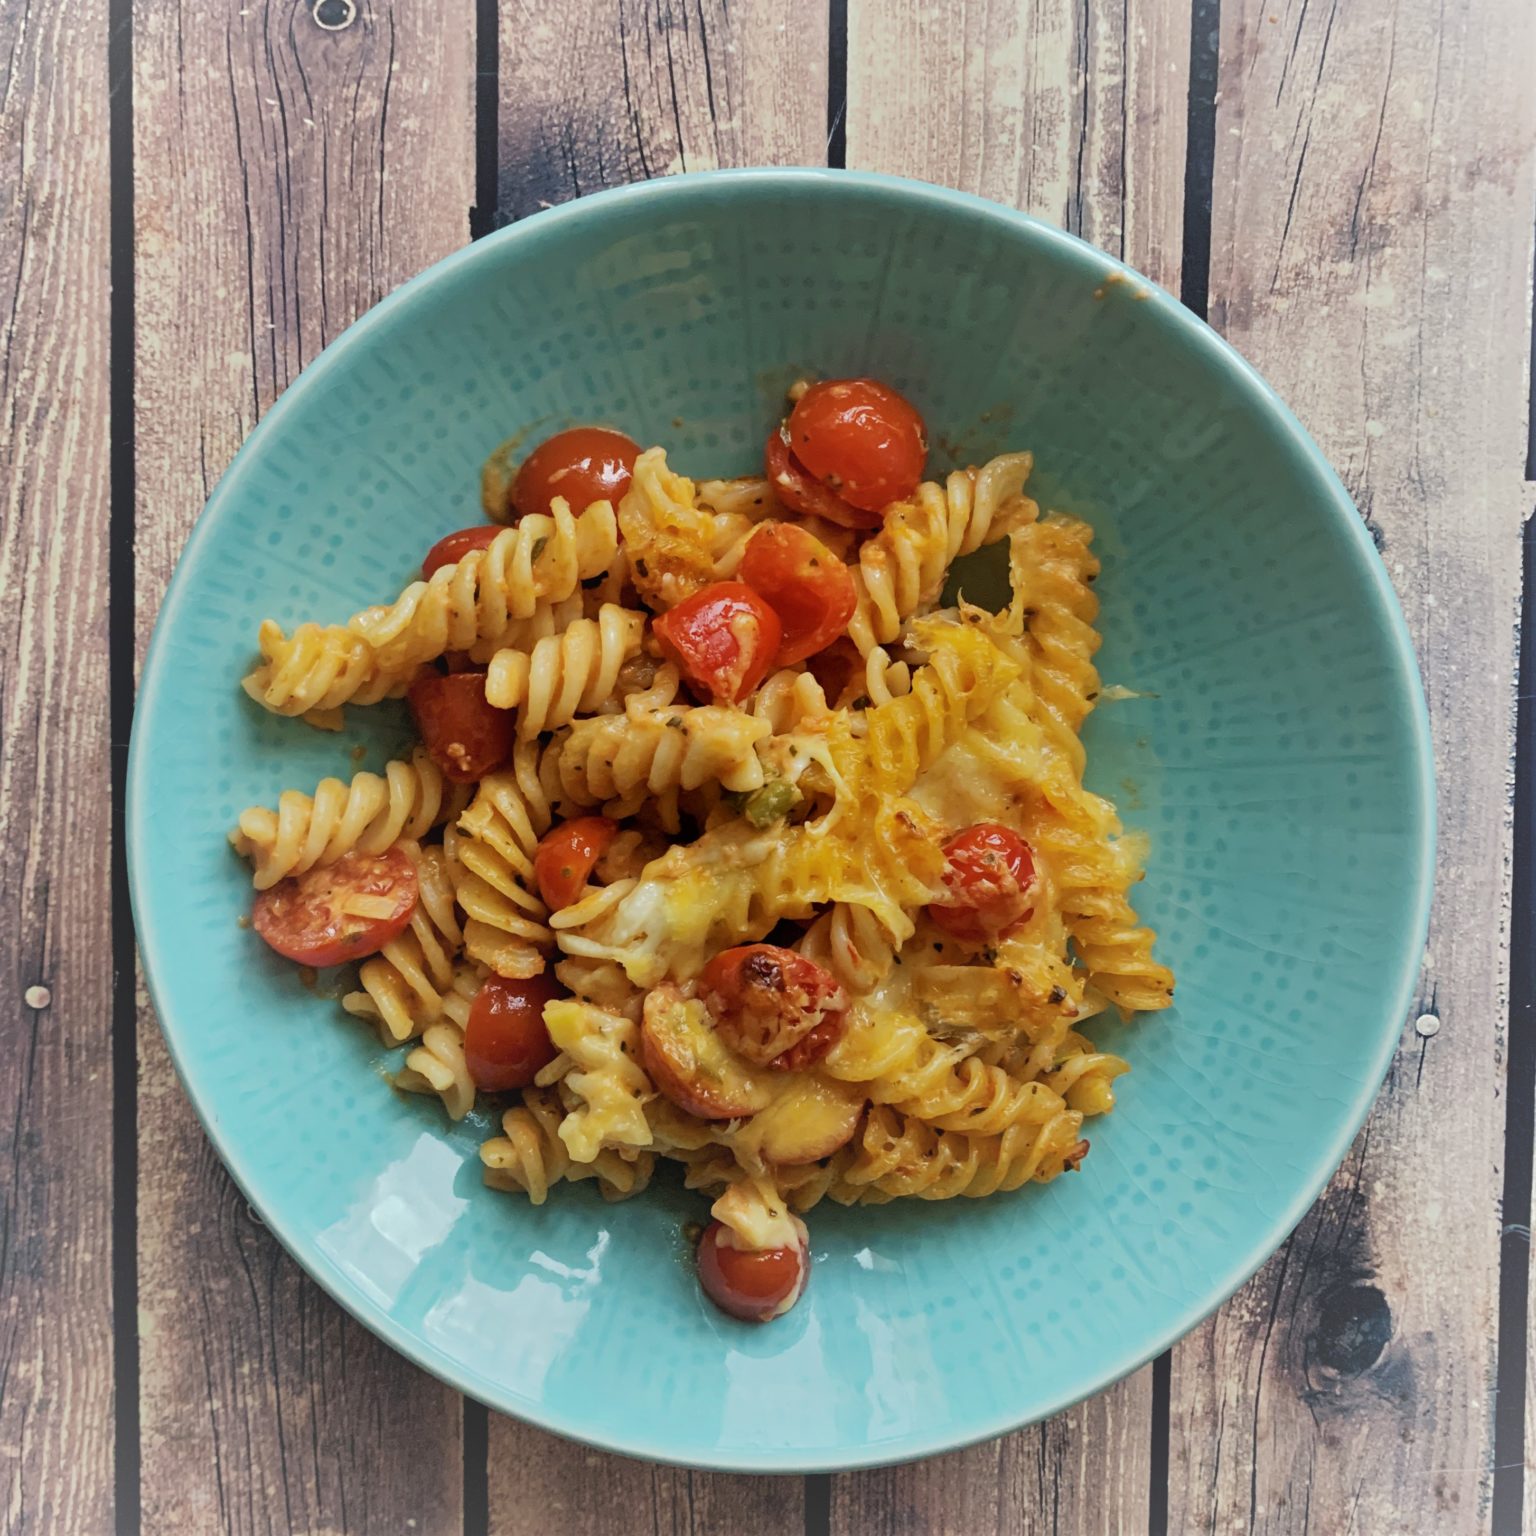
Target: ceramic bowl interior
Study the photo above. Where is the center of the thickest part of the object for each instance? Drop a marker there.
(1276, 756)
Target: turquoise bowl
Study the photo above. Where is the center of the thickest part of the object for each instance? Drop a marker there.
(1277, 757)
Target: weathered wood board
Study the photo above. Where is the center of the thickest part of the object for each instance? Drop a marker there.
(56, 1376)
(286, 178)
(1371, 253)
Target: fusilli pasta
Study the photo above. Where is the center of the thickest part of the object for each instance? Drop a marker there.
(840, 922)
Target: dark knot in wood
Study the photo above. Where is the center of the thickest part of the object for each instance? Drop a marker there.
(1353, 1325)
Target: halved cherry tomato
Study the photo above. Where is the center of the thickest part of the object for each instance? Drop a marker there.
(861, 439)
(565, 857)
(774, 1006)
(723, 639)
(467, 737)
(454, 546)
(754, 1284)
(809, 588)
(991, 875)
(584, 464)
(340, 912)
(802, 492)
(505, 1042)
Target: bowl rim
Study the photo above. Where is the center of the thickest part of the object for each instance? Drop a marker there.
(1241, 379)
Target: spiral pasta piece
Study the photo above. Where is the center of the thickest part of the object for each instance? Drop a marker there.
(378, 652)
(317, 669)
(651, 752)
(965, 672)
(1093, 875)
(437, 1065)
(529, 1157)
(852, 943)
(675, 546)
(1052, 568)
(897, 1156)
(564, 675)
(791, 700)
(367, 815)
(901, 570)
(492, 850)
(405, 984)
(941, 1085)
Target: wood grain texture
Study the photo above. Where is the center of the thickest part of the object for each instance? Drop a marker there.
(1075, 113)
(1072, 111)
(595, 95)
(541, 1484)
(1371, 253)
(55, 774)
(286, 177)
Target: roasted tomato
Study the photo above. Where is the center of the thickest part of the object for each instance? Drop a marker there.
(340, 912)
(860, 439)
(802, 492)
(723, 639)
(754, 1284)
(809, 588)
(467, 737)
(773, 1006)
(584, 464)
(990, 876)
(505, 1042)
(452, 548)
(566, 856)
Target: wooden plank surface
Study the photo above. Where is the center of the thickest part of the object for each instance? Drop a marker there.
(55, 774)
(287, 177)
(1374, 185)
(1075, 113)
(666, 86)
(595, 95)
(1371, 253)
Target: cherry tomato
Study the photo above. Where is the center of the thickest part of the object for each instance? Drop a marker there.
(467, 737)
(343, 911)
(566, 855)
(584, 464)
(756, 1285)
(802, 492)
(505, 1042)
(723, 639)
(451, 549)
(860, 439)
(809, 588)
(774, 1006)
(991, 875)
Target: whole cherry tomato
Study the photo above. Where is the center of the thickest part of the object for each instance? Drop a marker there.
(990, 876)
(340, 911)
(861, 440)
(723, 639)
(584, 464)
(566, 855)
(505, 1042)
(467, 737)
(809, 588)
(754, 1284)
